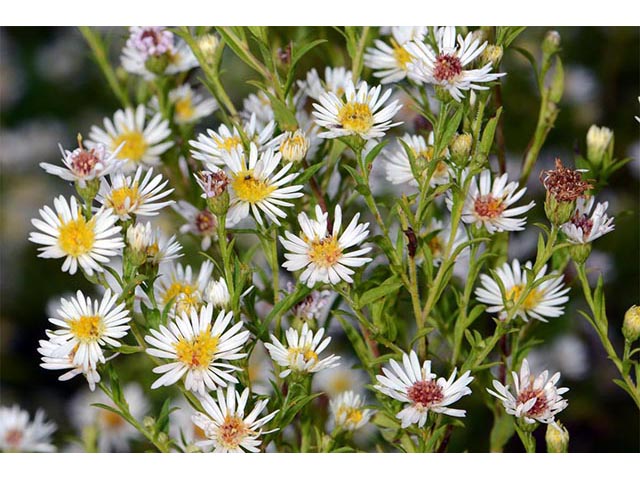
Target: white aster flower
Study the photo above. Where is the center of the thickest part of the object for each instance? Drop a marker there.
(322, 253)
(189, 105)
(114, 434)
(128, 195)
(52, 360)
(448, 66)
(348, 412)
(487, 204)
(19, 434)
(294, 146)
(67, 233)
(199, 347)
(181, 427)
(201, 223)
(258, 106)
(542, 302)
(335, 80)
(336, 381)
(392, 62)
(228, 428)
(584, 228)
(152, 244)
(360, 113)
(137, 142)
(255, 185)
(217, 293)
(150, 50)
(82, 165)
(176, 284)
(210, 148)
(86, 326)
(398, 165)
(302, 352)
(419, 387)
(536, 398)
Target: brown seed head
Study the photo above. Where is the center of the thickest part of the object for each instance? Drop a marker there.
(564, 184)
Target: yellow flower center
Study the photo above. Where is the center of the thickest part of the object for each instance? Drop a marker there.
(306, 352)
(250, 189)
(351, 415)
(531, 301)
(356, 117)
(111, 420)
(76, 237)
(197, 352)
(435, 245)
(229, 143)
(123, 199)
(184, 109)
(87, 328)
(186, 297)
(340, 383)
(325, 252)
(134, 148)
(401, 55)
(488, 206)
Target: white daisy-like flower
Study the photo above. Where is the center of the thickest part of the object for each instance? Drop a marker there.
(114, 434)
(487, 204)
(86, 326)
(448, 66)
(82, 165)
(201, 223)
(255, 185)
(335, 80)
(152, 244)
(294, 146)
(348, 412)
(322, 253)
(211, 147)
(392, 62)
(137, 142)
(217, 293)
(584, 227)
(257, 105)
(336, 381)
(67, 233)
(189, 105)
(302, 352)
(52, 360)
(418, 386)
(536, 398)
(312, 306)
(177, 284)
(128, 195)
(158, 46)
(228, 428)
(199, 347)
(19, 434)
(542, 302)
(361, 113)
(181, 427)
(398, 165)
(438, 243)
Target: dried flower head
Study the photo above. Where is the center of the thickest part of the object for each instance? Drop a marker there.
(564, 184)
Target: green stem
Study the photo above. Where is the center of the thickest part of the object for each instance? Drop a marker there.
(100, 54)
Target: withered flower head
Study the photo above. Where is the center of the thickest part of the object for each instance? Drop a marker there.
(564, 184)
(213, 184)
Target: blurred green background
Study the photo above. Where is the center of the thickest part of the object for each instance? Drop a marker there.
(50, 90)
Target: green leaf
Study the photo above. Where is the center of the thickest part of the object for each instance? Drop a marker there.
(502, 430)
(129, 349)
(286, 118)
(388, 286)
(450, 129)
(375, 151)
(489, 133)
(354, 338)
(308, 172)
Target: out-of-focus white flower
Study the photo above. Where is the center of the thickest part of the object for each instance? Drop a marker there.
(398, 165)
(201, 223)
(217, 293)
(348, 411)
(258, 106)
(19, 434)
(335, 81)
(189, 105)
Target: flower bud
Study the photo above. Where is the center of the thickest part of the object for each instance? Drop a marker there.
(580, 252)
(294, 146)
(461, 148)
(551, 42)
(139, 237)
(631, 324)
(598, 140)
(557, 438)
(157, 64)
(214, 186)
(217, 293)
(492, 54)
(208, 44)
(149, 422)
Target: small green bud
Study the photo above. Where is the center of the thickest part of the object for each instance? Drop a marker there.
(208, 44)
(631, 324)
(461, 148)
(492, 54)
(149, 422)
(442, 94)
(526, 426)
(557, 438)
(551, 43)
(89, 191)
(580, 252)
(163, 438)
(157, 64)
(558, 212)
(598, 140)
(214, 185)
